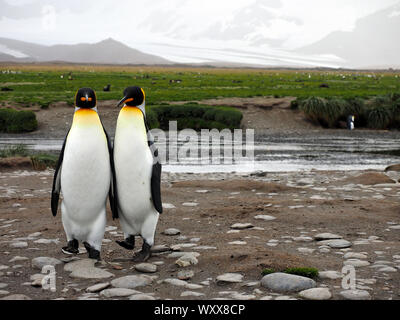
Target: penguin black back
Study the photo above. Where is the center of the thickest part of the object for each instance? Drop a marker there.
(85, 98)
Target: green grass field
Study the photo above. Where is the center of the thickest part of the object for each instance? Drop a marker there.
(42, 85)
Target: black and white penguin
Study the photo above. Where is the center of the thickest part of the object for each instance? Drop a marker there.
(138, 173)
(85, 176)
(350, 122)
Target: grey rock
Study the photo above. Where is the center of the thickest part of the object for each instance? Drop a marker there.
(264, 217)
(160, 248)
(229, 278)
(141, 296)
(240, 226)
(187, 260)
(98, 287)
(18, 258)
(40, 262)
(327, 236)
(19, 244)
(316, 294)
(387, 269)
(337, 243)
(146, 267)
(132, 282)
(283, 282)
(118, 292)
(355, 255)
(185, 274)
(3, 285)
(85, 269)
(16, 297)
(332, 275)
(356, 263)
(355, 294)
(191, 294)
(171, 232)
(242, 296)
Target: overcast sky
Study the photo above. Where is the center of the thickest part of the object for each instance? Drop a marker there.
(288, 24)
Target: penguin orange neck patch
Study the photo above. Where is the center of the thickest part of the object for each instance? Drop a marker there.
(86, 117)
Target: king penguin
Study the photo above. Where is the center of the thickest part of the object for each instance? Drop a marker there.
(85, 175)
(138, 174)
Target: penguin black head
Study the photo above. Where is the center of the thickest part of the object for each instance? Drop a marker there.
(133, 97)
(85, 98)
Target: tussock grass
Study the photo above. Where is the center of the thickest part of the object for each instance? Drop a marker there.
(13, 121)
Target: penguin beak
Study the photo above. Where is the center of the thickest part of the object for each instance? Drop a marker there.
(87, 97)
(121, 102)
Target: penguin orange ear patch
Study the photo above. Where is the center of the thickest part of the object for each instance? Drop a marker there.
(83, 99)
(129, 100)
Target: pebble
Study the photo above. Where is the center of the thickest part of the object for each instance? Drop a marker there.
(229, 278)
(187, 260)
(264, 217)
(4, 292)
(387, 269)
(337, 244)
(190, 204)
(146, 267)
(355, 255)
(3, 285)
(19, 244)
(171, 232)
(191, 294)
(332, 275)
(240, 226)
(98, 287)
(356, 263)
(238, 242)
(316, 294)
(118, 292)
(132, 282)
(16, 297)
(185, 274)
(141, 296)
(3, 267)
(168, 206)
(18, 258)
(283, 282)
(302, 239)
(47, 241)
(40, 262)
(241, 296)
(326, 236)
(355, 294)
(305, 250)
(85, 269)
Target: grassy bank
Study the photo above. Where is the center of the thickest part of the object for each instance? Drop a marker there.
(40, 161)
(13, 121)
(380, 112)
(42, 85)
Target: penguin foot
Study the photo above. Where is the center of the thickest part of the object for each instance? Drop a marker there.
(71, 248)
(93, 253)
(144, 254)
(128, 243)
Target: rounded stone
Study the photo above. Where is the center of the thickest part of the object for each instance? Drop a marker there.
(337, 243)
(132, 282)
(185, 274)
(283, 282)
(327, 236)
(16, 297)
(356, 263)
(118, 292)
(40, 262)
(332, 275)
(171, 231)
(229, 278)
(264, 217)
(98, 287)
(355, 255)
(146, 267)
(240, 226)
(19, 244)
(355, 294)
(316, 294)
(141, 296)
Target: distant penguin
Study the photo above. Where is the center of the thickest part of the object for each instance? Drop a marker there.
(350, 122)
(85, 176)
(138, 174)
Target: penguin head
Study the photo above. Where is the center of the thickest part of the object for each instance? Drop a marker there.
(85, 98)
(134, 97)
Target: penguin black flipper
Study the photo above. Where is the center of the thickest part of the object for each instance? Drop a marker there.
(55, 192)
(112, 194)
(155, 173)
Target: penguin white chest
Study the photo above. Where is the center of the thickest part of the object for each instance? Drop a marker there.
(133, 165)
(86, 171)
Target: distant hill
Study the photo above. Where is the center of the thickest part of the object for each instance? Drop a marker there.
(108, 51)
(372, 44)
